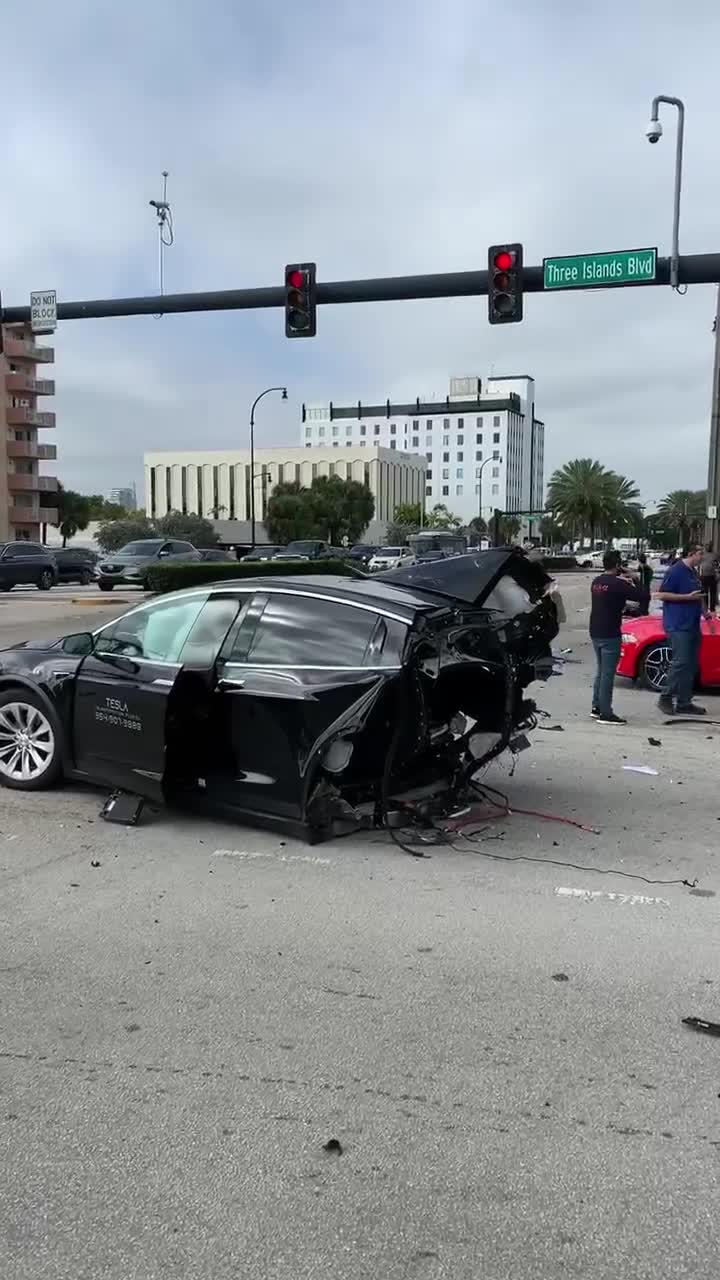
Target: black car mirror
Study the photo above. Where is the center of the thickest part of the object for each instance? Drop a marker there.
(80, 644)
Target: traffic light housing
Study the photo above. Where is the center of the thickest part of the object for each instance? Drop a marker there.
(505, 283)
(300, 300)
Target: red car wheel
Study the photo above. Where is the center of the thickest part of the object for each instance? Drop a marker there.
(654, 667)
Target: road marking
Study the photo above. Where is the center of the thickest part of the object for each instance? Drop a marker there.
(625, 899)
(276, 857)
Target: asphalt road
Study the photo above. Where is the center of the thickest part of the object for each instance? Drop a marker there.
(186, 1025)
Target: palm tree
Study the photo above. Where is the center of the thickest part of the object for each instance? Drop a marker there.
(683, 510)
(584, 496)
(73, 512)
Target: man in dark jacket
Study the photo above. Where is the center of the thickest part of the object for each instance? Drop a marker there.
(610, 593)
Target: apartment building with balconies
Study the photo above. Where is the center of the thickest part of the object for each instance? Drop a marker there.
(24, 503)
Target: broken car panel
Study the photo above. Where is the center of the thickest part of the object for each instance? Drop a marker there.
(314, 705)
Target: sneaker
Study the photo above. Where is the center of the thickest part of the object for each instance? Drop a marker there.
(595, 713)
(690, 709)
(611, 719)
(666, 706)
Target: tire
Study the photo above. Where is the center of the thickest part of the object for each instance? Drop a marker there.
(86, 578)
(654, 667)
(106, 586)
(8, 586)
(46, 580)
(40, 766)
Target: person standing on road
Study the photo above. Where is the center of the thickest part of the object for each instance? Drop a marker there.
(682, 596)
(610, 593)
(646, 577)
(709, 577)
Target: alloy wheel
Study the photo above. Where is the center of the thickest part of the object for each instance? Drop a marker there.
(657, 666)
(27, 742)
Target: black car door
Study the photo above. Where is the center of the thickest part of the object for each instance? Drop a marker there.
(122, 691)
(9, 566)
(293, 668)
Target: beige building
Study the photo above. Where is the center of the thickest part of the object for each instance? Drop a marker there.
(23, 490)
(216, 484)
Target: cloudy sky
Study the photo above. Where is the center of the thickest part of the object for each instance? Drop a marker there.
(379, 138)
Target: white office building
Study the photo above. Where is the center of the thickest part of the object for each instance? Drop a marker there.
(490, 426)
(216, 483)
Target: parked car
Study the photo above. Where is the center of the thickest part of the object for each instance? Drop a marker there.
(391, 558)
(26, 564)
(430, 557)
(311, 704)
(267, 552)
(361, 554)
(75, 564)
(308, 549)
(591, 560)
(645, 653)
(217, 555)
(129, 565)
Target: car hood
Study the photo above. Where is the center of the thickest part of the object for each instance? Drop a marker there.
(469, 578)
(126, 561)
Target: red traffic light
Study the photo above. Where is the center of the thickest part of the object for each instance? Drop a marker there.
(296, 279)
(300, 300)
(504, 260)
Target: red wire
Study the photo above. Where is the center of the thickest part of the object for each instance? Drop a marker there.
(528, 813)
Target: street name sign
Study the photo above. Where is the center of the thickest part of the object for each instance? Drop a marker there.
(600, 270)
(43, 311)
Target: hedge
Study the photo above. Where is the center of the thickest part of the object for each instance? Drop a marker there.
(173, 577)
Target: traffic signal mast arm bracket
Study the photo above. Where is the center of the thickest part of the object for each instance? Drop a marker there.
(698, 268)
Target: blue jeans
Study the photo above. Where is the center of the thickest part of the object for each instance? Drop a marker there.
(607, 655)
(685, 647)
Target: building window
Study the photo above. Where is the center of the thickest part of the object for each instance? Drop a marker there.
(446, 439)
(393, 429)
(445, 490)
(478, 473)
(461, 439)
(495, 490)
(496, 455)
(376, 429)
(446, 457)
(428, 441)
(428, 424)
(478, 423)
(446, 473)
(308, 445)
(321, 431)
(478, 455)
(478, 438)
(428, 474)
(446, 424)
(308, 432)
(363, 443)
(392, 444)
(335, 429)
(460, 424)
(363, 429)
(496, 437)
(429, 457)
(458, 490)
(460, 455)
(496, 472)
(477, 488)
(335, 444)
(416, 424)
(459, 473)
(416, 442)
(428, 491)
(348, 429)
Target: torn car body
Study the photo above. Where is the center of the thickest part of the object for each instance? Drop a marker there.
(314, 705)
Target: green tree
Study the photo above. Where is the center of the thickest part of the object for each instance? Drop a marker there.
(586, 498)
(101, 509)
(115, 533)
(440, 518)
(191, 528)
(343, 508)
(73, 512)
(408, 515)
(683, 512)
(508, 529)
(290, 514)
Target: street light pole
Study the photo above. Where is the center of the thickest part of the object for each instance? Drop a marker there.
(654, 134)
(483, 465)
(257, 399)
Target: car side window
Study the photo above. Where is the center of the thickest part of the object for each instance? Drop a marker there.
(303, 631)
(156, 633)
(209, 630)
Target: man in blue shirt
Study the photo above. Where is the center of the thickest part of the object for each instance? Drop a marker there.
(682, 597)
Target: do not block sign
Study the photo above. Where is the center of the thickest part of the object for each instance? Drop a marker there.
(43, 311)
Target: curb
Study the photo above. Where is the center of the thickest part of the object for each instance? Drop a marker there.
(93, 604)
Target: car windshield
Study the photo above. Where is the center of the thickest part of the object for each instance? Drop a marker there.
(390, 551)
(139, 549)
(301, 548)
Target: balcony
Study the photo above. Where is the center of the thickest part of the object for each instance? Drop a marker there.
(15, 382)
(29, 418)
(31, 449)
(18, 482)
(32, 515)
(18, 349)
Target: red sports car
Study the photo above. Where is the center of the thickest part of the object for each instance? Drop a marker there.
(645, 653)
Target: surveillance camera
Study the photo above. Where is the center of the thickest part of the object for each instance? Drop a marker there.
(654, 131)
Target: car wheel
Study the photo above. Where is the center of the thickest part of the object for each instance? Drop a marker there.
(654, 667)
(86, 578)
(30, 742)
(106, 586)
(46, 580)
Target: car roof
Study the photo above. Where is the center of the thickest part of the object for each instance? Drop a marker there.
(363, 591)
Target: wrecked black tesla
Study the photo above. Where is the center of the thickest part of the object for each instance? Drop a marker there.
(316, 705)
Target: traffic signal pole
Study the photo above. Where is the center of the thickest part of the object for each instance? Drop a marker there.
(712, 528)
(697, 268)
